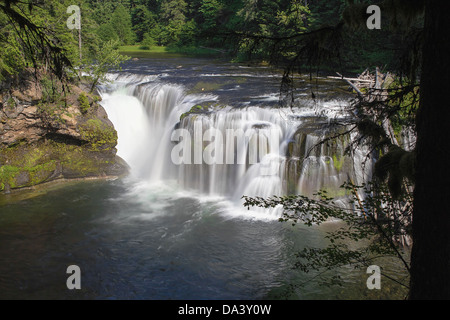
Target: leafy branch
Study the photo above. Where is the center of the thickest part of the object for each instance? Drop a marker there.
(375, 221)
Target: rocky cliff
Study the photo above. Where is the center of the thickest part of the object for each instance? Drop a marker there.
(47, 133)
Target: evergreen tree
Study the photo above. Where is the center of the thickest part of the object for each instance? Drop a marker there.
(121, 24)
(173, 18)
(143, 21)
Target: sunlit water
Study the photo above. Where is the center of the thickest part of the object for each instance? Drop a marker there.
(146, 238)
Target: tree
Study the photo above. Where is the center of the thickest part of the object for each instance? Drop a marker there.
(210, 10)
(121, 24)
(106, 32)
(430, 265)
(147, 42)
(430, 260)
(173, 11)
(38, 44)
(144, 22)
(107, 59)
(173, 18)
(326, 12)
(11, 58)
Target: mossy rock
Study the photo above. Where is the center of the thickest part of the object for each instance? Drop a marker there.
(99, 135)
(198, 109)
(26, 165)
(12, 177)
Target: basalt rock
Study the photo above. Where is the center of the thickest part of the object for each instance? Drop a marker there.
(43, 140)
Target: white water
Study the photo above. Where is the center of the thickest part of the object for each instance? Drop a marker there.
(146, 112)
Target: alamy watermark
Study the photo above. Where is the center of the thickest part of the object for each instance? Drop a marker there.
(74, 281)
(234, 146)
(374, 21)
(74, 21)
(374, 280)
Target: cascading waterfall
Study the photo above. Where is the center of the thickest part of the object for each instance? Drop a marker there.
(222, 150)
(131, 122)
(244, 147)
(145, 114)
(319, 169)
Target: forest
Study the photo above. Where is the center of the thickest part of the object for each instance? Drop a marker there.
(243, 30)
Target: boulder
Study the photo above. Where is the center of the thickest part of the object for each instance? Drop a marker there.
(42, 141)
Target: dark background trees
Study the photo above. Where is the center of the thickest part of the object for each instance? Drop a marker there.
(240, 27)
(430, 278)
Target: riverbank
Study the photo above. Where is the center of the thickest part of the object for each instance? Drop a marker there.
(188, 51)
(17, 195)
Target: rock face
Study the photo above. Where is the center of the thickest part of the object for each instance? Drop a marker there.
(44, 139)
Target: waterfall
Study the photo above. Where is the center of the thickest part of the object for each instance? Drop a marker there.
(244, 148)
(219, 150)
(319, 169)
(131, 122)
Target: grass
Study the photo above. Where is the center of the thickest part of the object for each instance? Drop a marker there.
(191, 51)
(137, 48)
(195, 51)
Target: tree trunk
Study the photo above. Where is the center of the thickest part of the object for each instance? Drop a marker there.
(430, 261)
(79, 48)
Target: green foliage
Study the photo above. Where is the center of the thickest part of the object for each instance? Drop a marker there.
(326, 12)
(11, 57)
(403, 103)
(84, 103)
(197, 109)
(295, 17)
(210, 10)
(108, 58)
(144, 23)
(173, 11)
(29, 37)
(121, 24)
(147, 42)
(247, 29)
(11, 103)
(371, 228)
(106, 33)
(99, 135)
(49, 89)
(51, 115)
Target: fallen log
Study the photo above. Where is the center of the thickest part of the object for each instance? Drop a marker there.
(351, 85)
(351, 79)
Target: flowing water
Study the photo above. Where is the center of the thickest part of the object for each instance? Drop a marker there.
(198, 134)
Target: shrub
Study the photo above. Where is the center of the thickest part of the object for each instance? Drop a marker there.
(84, 103)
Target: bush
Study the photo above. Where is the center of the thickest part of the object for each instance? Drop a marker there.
(49, 90)
(84, 103)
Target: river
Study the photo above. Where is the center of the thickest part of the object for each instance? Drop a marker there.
(179, 231)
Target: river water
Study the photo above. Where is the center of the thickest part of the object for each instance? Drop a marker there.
(179, 231)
